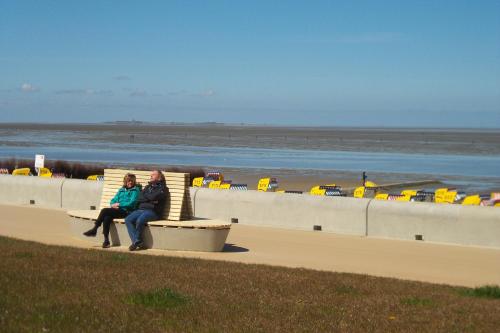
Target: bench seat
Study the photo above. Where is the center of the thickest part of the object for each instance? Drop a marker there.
(177, 230)
(197, 223)
(195, 235)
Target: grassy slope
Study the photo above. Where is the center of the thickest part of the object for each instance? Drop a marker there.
(51, 288)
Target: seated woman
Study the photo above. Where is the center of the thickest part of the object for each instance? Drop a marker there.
(122, 204)
(151, 203)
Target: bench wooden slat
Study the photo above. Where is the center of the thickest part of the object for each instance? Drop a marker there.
(120, 176)
(146, 174)
(192, 224)
(171, 187)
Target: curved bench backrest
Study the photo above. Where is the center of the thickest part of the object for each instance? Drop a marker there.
(177, 208)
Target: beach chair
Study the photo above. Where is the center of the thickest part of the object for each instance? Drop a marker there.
(177, 229)
(22, 172)
(366, 191)
(238, 187)
(96, 177)
(198, 182)
(440, 195)
(328, 190)
(472, 200)
(423, 196)
(225, 185)
(382, 196)
(44, 172)
(493, 200)
(58, 175)
(215, 175)
(267, 185)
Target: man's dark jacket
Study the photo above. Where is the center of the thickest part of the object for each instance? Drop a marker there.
(153, 196)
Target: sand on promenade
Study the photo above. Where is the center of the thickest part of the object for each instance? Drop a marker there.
(437, 263)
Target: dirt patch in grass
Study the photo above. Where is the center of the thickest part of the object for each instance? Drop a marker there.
(61, 289)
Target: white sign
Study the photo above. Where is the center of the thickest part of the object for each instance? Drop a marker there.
(39, 161)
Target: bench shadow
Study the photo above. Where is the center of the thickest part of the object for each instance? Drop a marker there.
(228, 247)
(113, 235)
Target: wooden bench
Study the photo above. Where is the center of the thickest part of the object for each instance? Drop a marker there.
(177, 229)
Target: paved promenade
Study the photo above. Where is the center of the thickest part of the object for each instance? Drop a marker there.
(448, 264)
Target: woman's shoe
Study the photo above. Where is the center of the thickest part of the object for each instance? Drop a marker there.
(91, 233)
(106, 244)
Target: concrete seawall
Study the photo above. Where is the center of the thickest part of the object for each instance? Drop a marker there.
(50, 192)
(19, 190)
(455, 224)
(465, 225)
(338, 215)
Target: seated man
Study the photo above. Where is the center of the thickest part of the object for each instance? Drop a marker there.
(151, 203)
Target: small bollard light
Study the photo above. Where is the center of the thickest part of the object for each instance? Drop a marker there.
(419, 237)
(234, 220)
(92, 207)
(32, 202)
(317, 228)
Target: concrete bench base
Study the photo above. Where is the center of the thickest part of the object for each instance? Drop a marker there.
(193, 236)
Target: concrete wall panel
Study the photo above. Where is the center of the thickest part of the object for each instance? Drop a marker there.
(81, 194)
(465, 225)
(20, 190)
(294, 211)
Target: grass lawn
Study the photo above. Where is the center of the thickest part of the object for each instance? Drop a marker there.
(60, 289)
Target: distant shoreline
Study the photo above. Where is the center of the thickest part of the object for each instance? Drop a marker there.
(48, 125)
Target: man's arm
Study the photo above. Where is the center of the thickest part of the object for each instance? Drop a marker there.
(155, 195)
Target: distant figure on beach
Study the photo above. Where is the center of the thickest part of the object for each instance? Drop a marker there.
(122, 204)
(151, 204)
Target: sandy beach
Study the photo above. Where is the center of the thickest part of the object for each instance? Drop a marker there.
(304, 180)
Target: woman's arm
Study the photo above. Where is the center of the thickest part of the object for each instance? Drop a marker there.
(115, 199)
(130, 201)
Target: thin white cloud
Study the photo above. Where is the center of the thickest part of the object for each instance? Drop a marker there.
(122, 78)
(173, 93)
(177, 92)
(103, 92)
(138, 93)
(205, 93)
(83, 92)
(28, 87)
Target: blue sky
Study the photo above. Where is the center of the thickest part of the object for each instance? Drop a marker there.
(336, 63)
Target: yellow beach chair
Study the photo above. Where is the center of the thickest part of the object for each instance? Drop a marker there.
(21, 172)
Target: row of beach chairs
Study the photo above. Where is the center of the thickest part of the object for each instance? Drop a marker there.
(215, 180)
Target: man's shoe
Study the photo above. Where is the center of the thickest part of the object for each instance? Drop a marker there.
(91, 233)
(140, 246)
(132, 247)
(106, 244)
